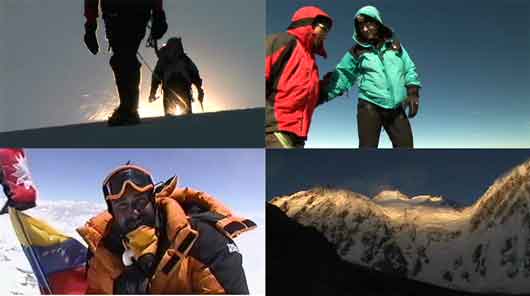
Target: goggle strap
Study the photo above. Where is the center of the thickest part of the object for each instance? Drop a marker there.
(122, 191)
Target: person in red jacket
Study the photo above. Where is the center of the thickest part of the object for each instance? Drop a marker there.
(125, 27)
(16, 180)
(292, 77)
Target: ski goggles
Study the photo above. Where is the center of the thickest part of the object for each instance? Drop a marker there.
(117, 181)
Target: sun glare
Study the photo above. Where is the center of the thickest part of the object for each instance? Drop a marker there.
(148, 109)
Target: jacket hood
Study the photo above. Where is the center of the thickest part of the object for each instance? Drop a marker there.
(374, 13)
(172, 200)
(302, 27)
(173, 48)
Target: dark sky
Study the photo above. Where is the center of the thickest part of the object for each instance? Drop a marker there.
(459, 175)
(51, 78)
(473, 58)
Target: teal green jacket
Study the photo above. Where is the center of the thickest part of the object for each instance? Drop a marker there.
(382, 74)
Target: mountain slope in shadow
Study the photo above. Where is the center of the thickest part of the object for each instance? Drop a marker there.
(302, 262)
(234, 128)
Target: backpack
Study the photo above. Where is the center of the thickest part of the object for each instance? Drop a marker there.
(176, 65)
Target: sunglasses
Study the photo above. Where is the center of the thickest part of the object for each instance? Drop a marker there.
(129, 175)
(322, 26)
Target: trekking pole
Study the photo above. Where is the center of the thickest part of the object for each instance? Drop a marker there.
(201, 97)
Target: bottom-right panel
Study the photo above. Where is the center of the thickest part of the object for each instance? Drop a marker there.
(410, 222)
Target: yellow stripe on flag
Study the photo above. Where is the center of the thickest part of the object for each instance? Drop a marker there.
(33, 232)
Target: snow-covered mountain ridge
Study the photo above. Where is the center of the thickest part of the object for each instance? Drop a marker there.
(481, 248)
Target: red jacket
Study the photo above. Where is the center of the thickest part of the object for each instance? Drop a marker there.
(291, 73)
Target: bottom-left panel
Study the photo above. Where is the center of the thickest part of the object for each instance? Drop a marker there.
(132, 221)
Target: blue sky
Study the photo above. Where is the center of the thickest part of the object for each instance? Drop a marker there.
(473, 58)
(52, 79)
(235, 176)
(460, 175)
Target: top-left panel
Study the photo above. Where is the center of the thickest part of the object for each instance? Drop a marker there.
(142, 73)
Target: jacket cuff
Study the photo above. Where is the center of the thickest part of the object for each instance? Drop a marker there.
(413, 90)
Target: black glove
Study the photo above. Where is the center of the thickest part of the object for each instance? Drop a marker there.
(200, 91)
(327, 77)
(413, 101)
(152, 96)
(131, 281)
(323, 98)
(159, 25)
(91, 41)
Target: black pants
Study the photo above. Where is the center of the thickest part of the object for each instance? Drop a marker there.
(125, 31)
(283, 140)
(370, 119)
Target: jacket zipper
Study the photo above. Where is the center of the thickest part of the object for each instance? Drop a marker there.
(390, 87)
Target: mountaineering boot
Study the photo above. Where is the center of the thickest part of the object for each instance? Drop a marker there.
(120, 117)
(127, 82)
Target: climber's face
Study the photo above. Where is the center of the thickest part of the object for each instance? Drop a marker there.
(133, 209)
(368, 28)
(320, 31)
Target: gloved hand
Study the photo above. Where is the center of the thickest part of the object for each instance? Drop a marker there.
(152, 96)
(323, 98)
(326, 78)
(201, 94)
(412, 102)
(91, 41)
(159, 25)
(142, 240)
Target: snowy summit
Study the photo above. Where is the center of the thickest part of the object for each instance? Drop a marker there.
(482, 248)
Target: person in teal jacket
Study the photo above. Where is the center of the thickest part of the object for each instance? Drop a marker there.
(387, 79)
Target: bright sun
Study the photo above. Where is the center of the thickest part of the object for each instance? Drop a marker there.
(147, 109)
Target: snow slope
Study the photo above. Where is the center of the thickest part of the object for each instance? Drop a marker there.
(481, 248)
(17, 276)
(203, 130)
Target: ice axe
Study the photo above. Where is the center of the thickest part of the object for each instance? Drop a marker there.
(201, 98)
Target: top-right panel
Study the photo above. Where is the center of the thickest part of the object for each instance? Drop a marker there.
(402, 74)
